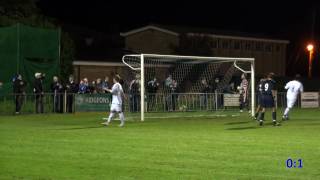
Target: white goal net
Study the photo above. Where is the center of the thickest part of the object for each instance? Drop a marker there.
(172, 83)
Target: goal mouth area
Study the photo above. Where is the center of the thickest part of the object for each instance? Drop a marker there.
(214, 115)
(187, 74)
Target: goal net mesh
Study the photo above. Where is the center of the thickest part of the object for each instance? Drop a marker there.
(185, 84)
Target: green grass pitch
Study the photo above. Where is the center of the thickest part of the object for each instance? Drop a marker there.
(77, 147)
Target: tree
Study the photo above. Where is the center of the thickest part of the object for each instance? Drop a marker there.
(17, 9)
(26, 12)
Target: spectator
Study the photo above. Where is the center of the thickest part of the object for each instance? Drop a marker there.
(106, 84)
(99, 86)
(19, 91)
(134, 94)
(152, 87)
(171, 86)
(206, 88)
(92, 88)
(57, 89)
(218, 96)
(229, 88)
(86, 83)
(71, 89)
(168, 81)
(84, 86)
(174, 95)
(38, 91)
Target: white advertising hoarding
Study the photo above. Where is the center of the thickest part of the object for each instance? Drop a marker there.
(310, 100)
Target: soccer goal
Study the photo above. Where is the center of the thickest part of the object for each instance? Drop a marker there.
(173, 83)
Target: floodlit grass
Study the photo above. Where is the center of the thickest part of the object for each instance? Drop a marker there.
(77, 147)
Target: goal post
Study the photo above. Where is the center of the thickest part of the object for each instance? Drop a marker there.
(192, 68)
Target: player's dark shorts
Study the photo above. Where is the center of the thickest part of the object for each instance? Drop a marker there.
(267, 101)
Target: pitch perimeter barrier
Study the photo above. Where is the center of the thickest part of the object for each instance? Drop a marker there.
(159, 102)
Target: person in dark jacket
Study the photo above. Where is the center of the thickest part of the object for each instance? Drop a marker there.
(38, 91)
(56, 89)
(206, 88)
(71, 89)
(19, 92)
(134, 91)
(152, 87)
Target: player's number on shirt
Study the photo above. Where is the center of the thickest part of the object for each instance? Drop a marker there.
(266, 87)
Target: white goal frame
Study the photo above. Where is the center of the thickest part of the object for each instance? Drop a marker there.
(226, 59)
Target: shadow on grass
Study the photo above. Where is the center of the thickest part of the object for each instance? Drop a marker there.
(234, 123)
(243, 128)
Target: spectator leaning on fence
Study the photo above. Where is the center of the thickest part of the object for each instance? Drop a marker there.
(84, 86)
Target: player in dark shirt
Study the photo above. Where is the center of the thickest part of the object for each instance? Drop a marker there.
(268, 93)
(259, 97)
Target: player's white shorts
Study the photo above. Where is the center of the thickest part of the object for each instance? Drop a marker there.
(290, 102)
(116, 108)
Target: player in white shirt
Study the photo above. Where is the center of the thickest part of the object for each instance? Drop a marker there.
(117, 100)
(293, 87)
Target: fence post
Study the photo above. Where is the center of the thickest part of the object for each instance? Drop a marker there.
(65, 102)
(216, 99)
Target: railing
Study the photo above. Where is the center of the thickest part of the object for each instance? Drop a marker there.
(35, 103)
(63, 103)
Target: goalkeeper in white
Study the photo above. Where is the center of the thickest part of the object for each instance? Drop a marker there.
(293, 87)
(117, 100)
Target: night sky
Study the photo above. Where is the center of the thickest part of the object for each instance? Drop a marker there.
(298, 22)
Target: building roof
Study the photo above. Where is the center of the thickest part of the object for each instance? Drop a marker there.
(177, 30)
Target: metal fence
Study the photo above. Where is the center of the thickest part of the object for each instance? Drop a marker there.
(33, 103)
(64, 103)
(198, 102)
